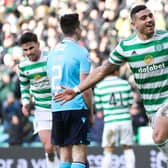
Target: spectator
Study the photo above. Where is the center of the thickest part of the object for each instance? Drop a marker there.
(12, 119)
(139, 118)
(97, 130)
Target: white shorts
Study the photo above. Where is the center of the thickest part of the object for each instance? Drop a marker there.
(162, 111)
(115, 134)
(42, 120)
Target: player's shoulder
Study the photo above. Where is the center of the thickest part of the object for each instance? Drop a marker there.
(99, 84)
(161, 32)
(45, 53)
(23, 62)
(128, 40)
(131, 37)
(81, 51)
(122, 81)
(82, 48)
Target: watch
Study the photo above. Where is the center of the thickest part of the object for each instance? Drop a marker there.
(76, 90)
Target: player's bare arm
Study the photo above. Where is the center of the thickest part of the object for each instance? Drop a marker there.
(95, 76)
(88, 97)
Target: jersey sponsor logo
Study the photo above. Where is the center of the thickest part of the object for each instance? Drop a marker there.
(150, 68)
(37, 77)
(41, 84)
(148, 59)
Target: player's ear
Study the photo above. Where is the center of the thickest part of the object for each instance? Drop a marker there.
(77, 30)
(38, 44)
(133, 25)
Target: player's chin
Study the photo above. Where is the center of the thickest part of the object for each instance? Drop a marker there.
(150, 33)
(33, 58)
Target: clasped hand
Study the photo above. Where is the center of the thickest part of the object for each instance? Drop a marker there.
(65, 95)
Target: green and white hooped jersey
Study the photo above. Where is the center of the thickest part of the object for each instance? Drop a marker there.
(148, 61)
(114, 97)
(34, 82)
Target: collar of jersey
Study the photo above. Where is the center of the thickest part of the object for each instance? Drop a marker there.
(68, 40)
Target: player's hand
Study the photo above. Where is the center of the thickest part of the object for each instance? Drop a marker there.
(64, 96)
(25, 110)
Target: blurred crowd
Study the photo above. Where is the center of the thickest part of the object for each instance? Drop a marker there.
(104, 24)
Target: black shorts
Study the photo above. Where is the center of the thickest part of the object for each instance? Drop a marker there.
(70, 127)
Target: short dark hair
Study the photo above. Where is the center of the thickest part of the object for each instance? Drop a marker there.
(28, 37)
(136, 9)
(69, 22)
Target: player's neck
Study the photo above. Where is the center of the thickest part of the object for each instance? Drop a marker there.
(144, 37)
(73, 38)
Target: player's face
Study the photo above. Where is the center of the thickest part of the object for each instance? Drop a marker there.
(144, 23)
(31, 50)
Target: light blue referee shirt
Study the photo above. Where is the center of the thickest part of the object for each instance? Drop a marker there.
(65, 63)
